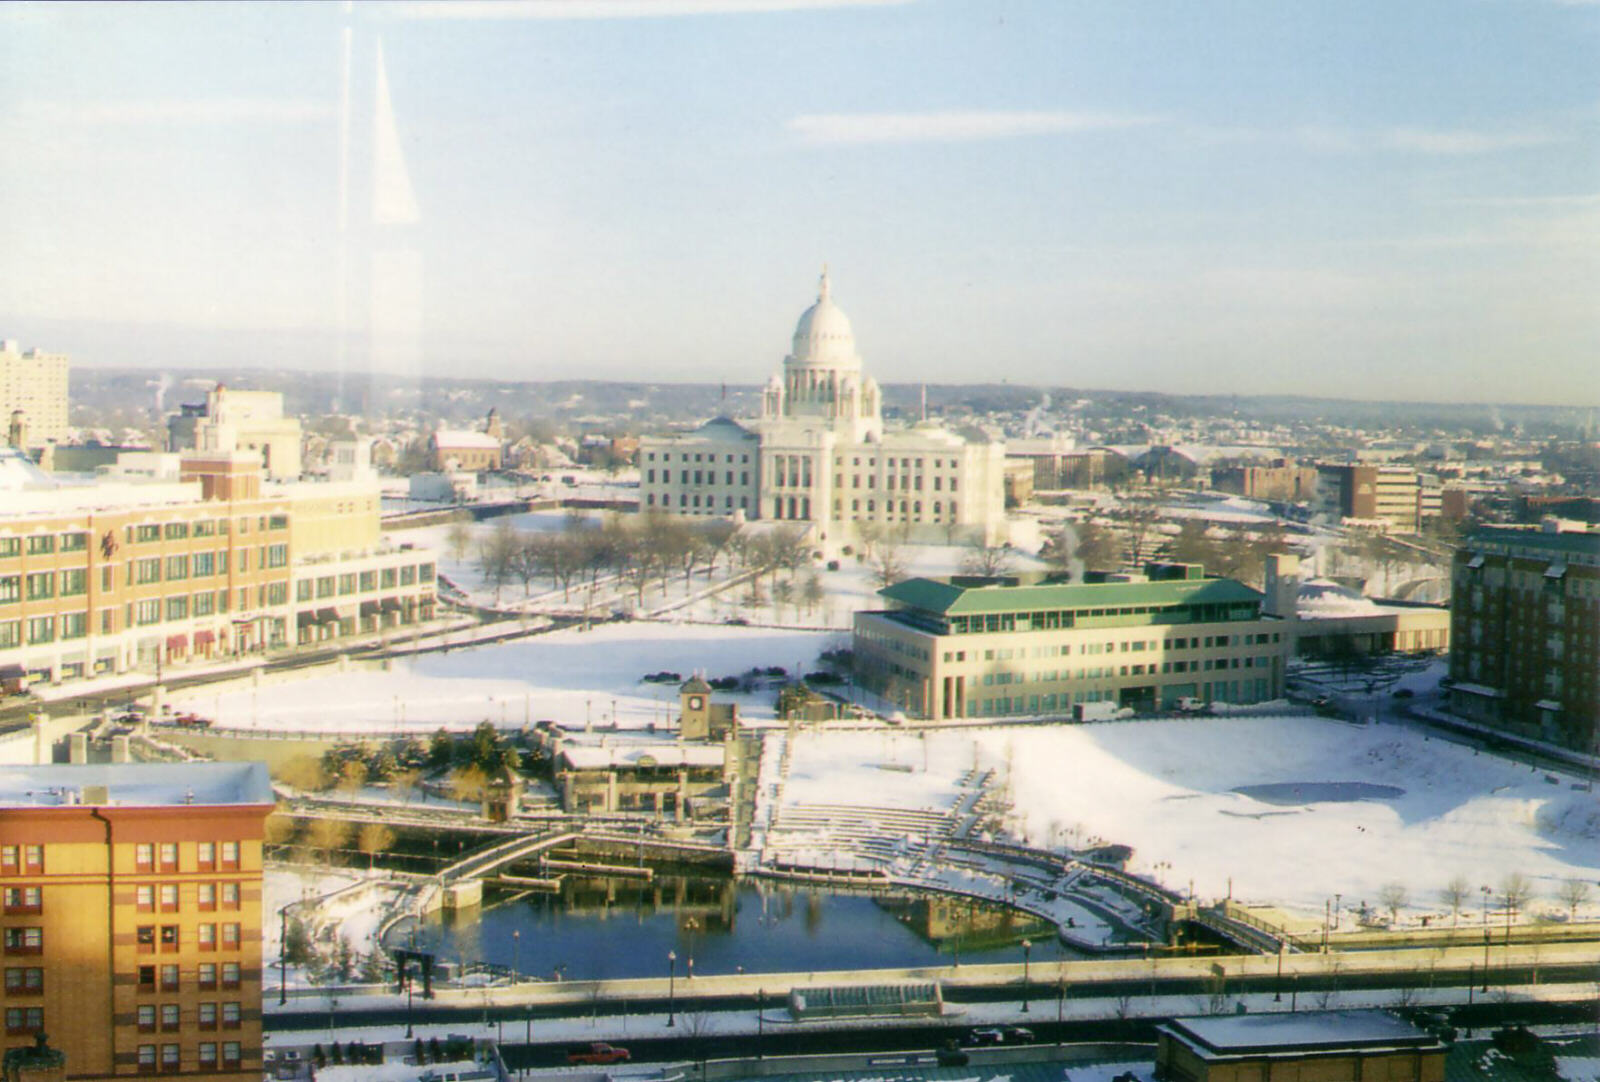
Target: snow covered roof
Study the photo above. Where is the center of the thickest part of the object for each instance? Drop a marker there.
(142, 785)
(17, 472)
(455, 437)
(1297, 1031)
(590, 757)
(945, 596)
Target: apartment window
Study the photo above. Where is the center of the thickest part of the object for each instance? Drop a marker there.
(169, 1017)
(277, 555)
(177, 567)
(206, 975)
(205, 604)
(147, 570)
(24, 981)
(206, 936)
(232, 1015)
(145, 937)
(42, 629)
(10, 633)
(230, 974)
(145, 898)
(207, 1016)
(21, 858)
(23, 1020)
(207, 896)
(147, 978)
(74, 625)
(206, 856)
(177, 531)
(205, 563)
(168, 852)
(425, 572)
(147, 1054)
(230, 936)
(24, 940)
(230, 856)
(169, 1057)
(169, 897)
(74, 581)
(278, 522)
(232, 1053)
(369, 581)
(205, 528)
(169, 978)
(302, 590)
(206, 1054)
(10, 546)
(178, 608)
(230, 896)
(408, 576)
(144, 857)
(41, 545)
(41, 586)
(22, 900)
(10, 589)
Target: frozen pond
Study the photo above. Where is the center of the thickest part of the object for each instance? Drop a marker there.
(1319, 792)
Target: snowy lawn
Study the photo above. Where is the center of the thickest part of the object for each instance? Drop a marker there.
(1167, 788)
(568, 676)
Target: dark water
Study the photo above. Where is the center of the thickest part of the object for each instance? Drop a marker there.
(608, 929)
(1319, 792)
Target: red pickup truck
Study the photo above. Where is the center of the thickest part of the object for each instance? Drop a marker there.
(598, 1052)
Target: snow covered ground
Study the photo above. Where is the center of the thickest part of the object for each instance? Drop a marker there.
(568, 675)
(1167, 788)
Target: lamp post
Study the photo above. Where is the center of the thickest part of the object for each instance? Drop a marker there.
(1277, 988)
(516, 955)
(1486, 959)
(761, 1010)
(283, 947)
(1027, 947)
(689, 926)
(672, 969)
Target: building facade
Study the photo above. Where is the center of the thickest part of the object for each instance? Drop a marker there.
(248, 421)
(820, 455)
(131, 915)
(1032, 645)
(141, 575)
(1394, 496)
(1305, 1046)
(1525, 634)
(35, 383)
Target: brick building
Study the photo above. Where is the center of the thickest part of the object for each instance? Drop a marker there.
(1525, 633)
(131, 918)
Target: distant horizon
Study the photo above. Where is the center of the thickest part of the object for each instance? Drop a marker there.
(199, 373)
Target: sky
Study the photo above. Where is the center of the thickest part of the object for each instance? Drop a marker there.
(1361, 199)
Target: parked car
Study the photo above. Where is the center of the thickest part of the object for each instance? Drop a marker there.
(598, 1052)
(1002, 1035)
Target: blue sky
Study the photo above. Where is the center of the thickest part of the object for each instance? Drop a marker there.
(1360, 199)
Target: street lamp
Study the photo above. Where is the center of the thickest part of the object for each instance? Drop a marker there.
(1486, 959)
(672, 970)
(516, 955)
(689, 926)
(283, 964)
(1027, 946)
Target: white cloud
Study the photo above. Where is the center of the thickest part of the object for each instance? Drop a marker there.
(608, 9)
(212, 111)
(1461, 141)
(951, 127)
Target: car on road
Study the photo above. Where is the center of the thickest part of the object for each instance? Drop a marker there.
(598, 1052)
(950, 1054)
(997, 1035)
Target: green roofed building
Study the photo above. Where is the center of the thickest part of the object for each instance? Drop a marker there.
(1030, 645)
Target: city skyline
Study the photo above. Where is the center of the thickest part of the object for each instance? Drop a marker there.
(1350, 202)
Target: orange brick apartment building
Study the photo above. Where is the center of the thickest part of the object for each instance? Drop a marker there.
(131, 917)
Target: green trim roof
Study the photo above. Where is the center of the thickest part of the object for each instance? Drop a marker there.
(935, 595)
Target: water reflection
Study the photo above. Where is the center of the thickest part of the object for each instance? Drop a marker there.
(614, 928)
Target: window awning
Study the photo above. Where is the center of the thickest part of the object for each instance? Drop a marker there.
(305, 619)
(328, 615)
(369, 608)
(204, 638)
(1476, 562)
(390, 604)
(12, 672)
(177, 642)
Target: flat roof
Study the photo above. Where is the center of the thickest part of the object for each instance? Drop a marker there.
(1308, 1031)
(942, 596)
(1581, 542)
(136, 785)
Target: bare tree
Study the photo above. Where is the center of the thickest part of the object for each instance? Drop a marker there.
(1455, 894)
(352, 776)
(327, 836)
(811, 592)
(404, 783)
(1392, 896)
(1140, 523)
(496, 555)
(717, 535)
(1573, 893)
(375, 838)
(1516, 891)
(457, 538)
(987, 561)
(888, 561)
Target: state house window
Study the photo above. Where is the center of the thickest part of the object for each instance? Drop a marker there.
(24, 981)
(22, 900)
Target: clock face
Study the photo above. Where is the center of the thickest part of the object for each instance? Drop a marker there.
(696, 702)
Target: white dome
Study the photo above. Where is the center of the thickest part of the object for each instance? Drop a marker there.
(823, 337)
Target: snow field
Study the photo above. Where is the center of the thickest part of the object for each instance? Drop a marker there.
(1165, 788)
